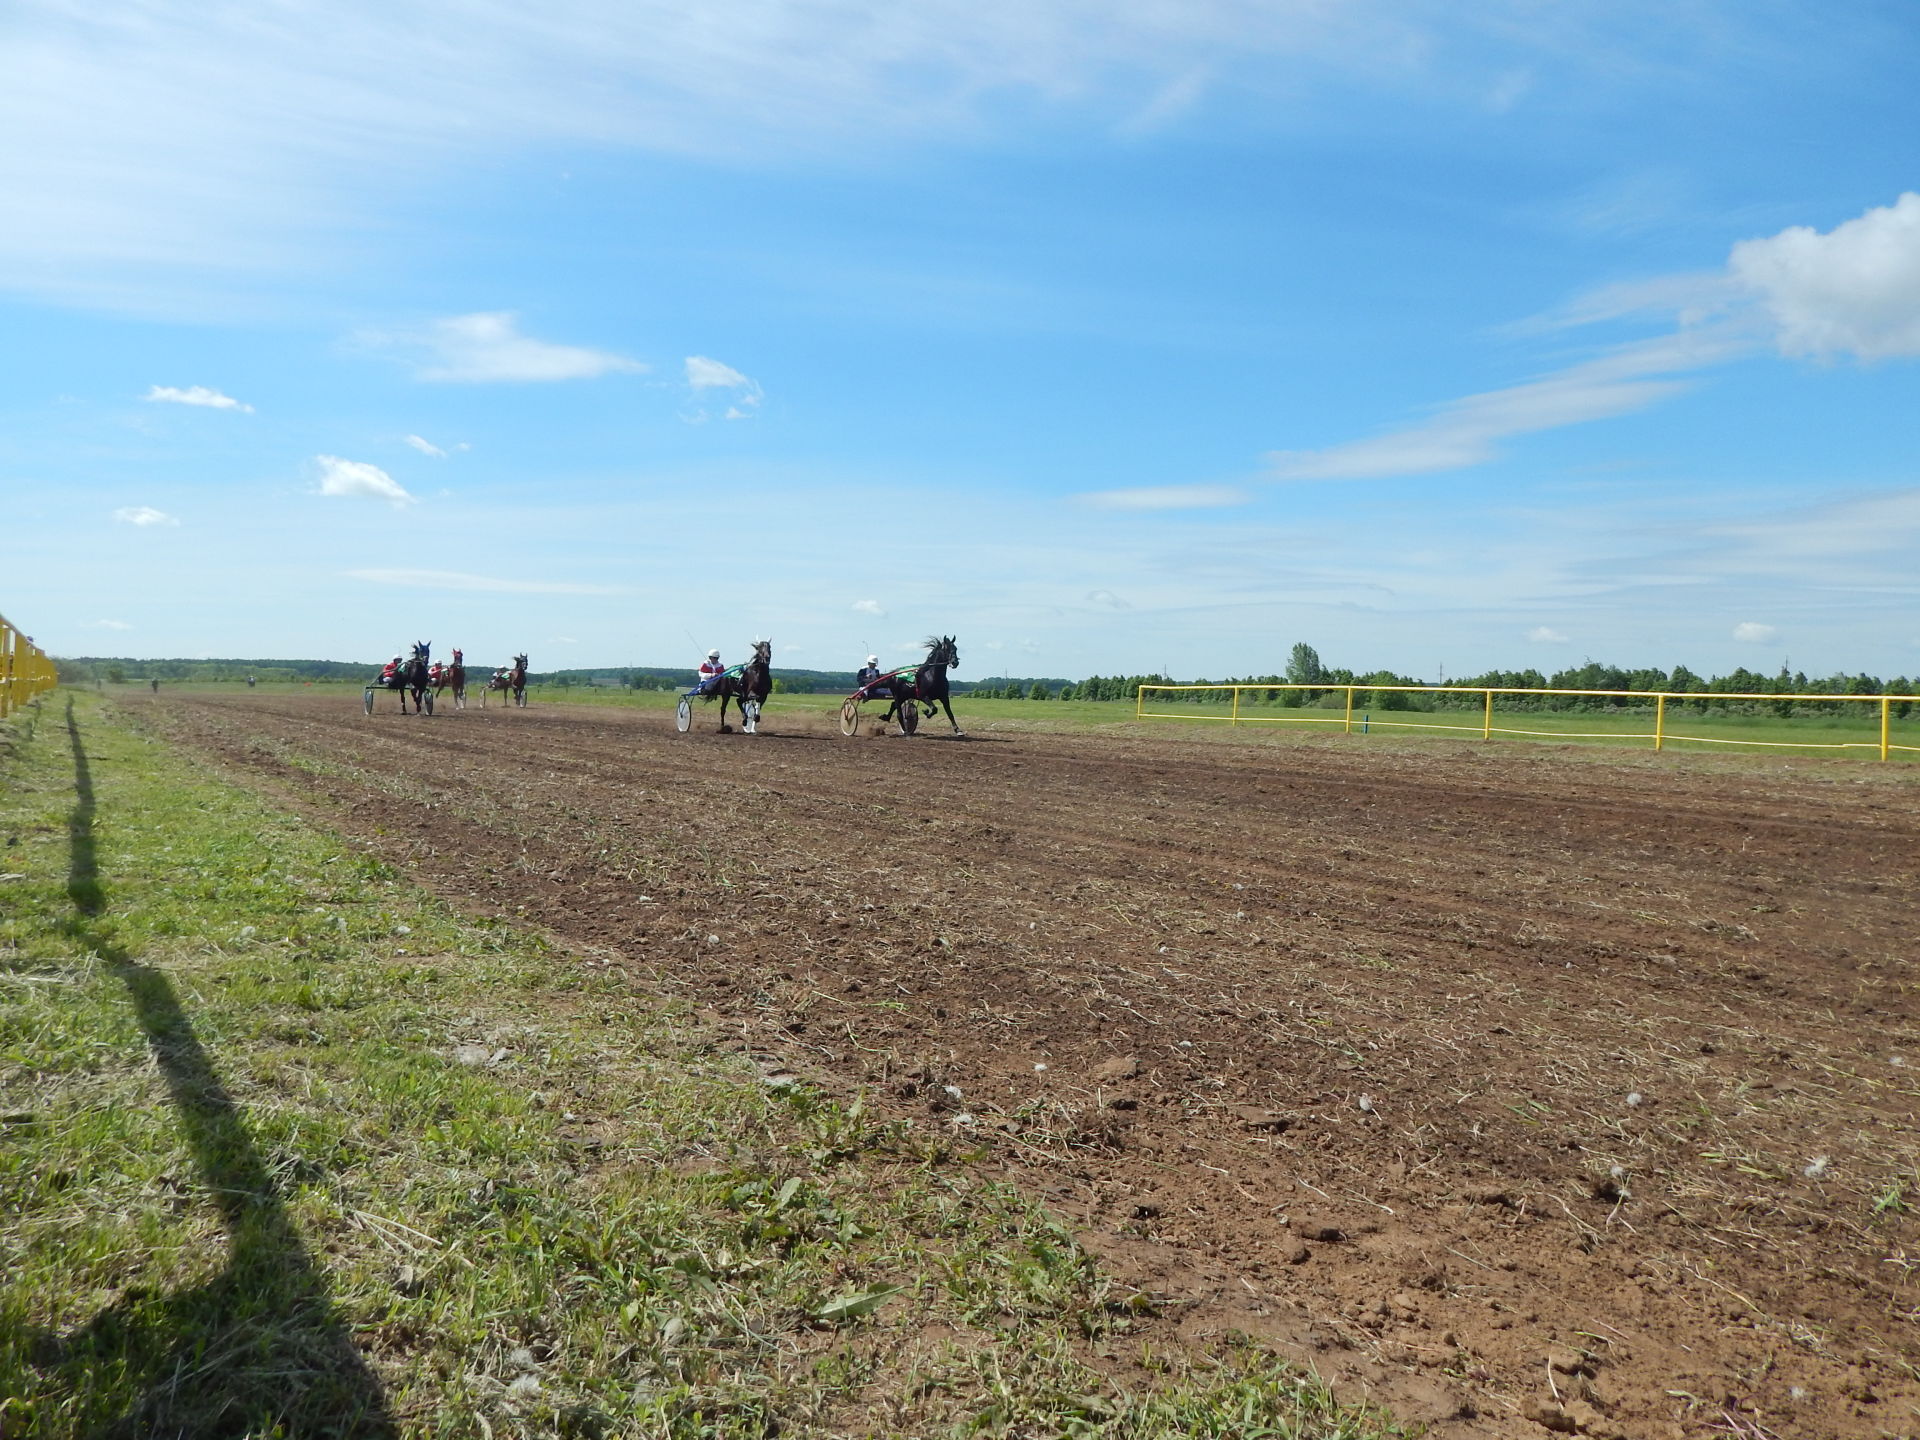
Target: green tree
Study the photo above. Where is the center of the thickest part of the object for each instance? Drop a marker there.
(1303, 665)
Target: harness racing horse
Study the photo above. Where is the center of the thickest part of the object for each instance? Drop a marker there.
(512, 682)
(749, 686)
(454, 678)
(409, 679)
(926, 689)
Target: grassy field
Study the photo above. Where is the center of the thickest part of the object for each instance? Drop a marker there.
(293, 1148)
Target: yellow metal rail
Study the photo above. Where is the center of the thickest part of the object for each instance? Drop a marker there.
(1660, 734)
(25, 670)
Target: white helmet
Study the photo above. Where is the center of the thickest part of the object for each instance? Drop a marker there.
(873, 659)
(714, 654)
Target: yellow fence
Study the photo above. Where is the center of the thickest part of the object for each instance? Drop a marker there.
(1196, 698)
(25, 670)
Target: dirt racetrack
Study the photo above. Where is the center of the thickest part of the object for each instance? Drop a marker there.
(1522, 1088)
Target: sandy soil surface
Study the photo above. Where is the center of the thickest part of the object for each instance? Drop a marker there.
(1521, 1088)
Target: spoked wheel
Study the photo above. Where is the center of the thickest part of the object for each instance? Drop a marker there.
(428, 699)
(369, 699)
(683, 717)
(850, 718)
(910, 718)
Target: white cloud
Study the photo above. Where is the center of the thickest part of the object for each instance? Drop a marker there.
(425, 447)
(868, 607)
(107, 625)
(487, 347)
(1469, 431)
(1854, 290)
(705, 374)
(497, 584)
(1167, 497)
(356, 479)
(197, 395)
(1546, 635)
(1108, 599)
(143, 516)
(1750, 632)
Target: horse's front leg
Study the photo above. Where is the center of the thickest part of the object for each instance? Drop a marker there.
(947, 705)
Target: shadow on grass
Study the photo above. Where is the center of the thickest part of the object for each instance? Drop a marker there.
(257, 1350)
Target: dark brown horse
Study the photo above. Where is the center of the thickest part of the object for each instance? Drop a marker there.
(512, 681)
(926, 688)
(454, 678)
(410, 679)
(749, 687)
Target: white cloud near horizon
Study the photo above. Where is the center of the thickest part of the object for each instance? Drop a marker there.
(1547, 635)
(869, 607)
(497, 584)
(1166, 497)
(196, 395)
(1852, 291)
(487, 347)
(355, 479)
(143, 516)
(1752, 632)
(425, 447)
(106, 625)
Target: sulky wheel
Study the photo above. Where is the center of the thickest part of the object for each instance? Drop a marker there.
(850, 718)
(683, 717)
(369, 699)
(427, 699)
(909, 718)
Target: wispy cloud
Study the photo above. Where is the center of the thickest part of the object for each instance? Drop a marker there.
(197, 395)
(743, 395)
(1853, 291)
(106, 625)
(1167, 497)
(488, 348)
(869, 607)
(210, 140)
(355, 479)
(1546, 635)
(496, 584)
(425, 447)
(143, 516)
(1751, 632)
(1108, 599)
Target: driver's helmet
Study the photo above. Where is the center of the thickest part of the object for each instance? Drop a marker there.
(713, 654)
(873, 659)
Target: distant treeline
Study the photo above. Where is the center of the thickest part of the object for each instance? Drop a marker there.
(1306, 680)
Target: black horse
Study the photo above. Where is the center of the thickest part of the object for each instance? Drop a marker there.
(749, 686)
(409, 679)
(927, 688)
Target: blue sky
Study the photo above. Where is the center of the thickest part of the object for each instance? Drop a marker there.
(1104, 336)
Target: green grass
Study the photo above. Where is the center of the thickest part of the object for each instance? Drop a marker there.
(291, 1148)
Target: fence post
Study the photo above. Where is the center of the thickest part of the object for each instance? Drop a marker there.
(1349, 729)
(1486, 723)
(1139, 701)
(1886, 723)
(1659, 721)
(1235, 718)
